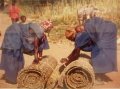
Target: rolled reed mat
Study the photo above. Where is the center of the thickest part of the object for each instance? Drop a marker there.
(35, 76)
(78, 75)
(53, 79)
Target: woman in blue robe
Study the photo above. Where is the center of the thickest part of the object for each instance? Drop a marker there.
(34, 40)
(103, 50)
(12, 60)
(32, 33)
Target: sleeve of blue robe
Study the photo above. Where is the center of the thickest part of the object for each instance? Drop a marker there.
(82, 41)
(44, 45)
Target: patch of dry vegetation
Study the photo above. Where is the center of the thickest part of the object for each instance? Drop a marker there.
(65, 14)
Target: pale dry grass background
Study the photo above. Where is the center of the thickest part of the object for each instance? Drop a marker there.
(63, 14)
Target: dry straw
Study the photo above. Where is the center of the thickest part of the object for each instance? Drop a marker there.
(36, 75)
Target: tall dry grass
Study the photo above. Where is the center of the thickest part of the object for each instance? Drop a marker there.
(63, 14)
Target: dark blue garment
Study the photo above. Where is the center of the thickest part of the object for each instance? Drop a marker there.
(37, 29)
(103, 33)
(12, 60)
(24, 28)
(44, 45)
(12, 39)
(28, 38)
(82, 41)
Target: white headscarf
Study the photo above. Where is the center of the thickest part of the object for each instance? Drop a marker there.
(88, 11)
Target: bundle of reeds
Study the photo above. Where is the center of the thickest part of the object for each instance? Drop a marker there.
(77, 75)
(36, 75)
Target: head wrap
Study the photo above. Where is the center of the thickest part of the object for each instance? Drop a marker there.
(69, 32)
(88, 11)
(47, 24)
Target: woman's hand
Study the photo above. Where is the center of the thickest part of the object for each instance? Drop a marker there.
(64, 60)
(35, 61)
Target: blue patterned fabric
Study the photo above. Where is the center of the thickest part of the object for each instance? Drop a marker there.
(103, 33)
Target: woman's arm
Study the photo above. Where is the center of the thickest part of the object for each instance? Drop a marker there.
(36, 40)
(72, 57)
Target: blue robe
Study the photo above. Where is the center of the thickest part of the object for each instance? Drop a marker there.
(28, 39)
(84, 42)
(27, 46)
(103, 50)
(12, 60)
(104, 34)
(39, 31)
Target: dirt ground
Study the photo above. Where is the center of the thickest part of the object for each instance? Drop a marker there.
(57, 50)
